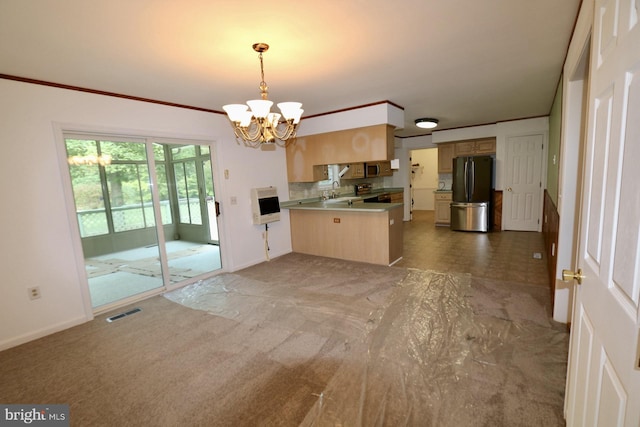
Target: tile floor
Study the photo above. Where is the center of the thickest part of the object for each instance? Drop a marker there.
(501, 255)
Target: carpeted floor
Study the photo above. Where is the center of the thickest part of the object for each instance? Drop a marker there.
(312, 341)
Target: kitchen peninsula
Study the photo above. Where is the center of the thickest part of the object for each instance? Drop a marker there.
(348, 229)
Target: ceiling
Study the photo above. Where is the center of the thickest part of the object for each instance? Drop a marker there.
(465, 62)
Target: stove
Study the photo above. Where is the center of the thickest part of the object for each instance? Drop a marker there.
(363, 188)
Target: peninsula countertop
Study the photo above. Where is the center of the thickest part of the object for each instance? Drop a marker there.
(353, 204)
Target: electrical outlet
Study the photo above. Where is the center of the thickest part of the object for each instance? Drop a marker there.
(34, 293)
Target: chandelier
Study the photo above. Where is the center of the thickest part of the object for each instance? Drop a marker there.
(254, 124)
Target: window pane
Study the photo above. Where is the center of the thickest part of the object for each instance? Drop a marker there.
(158, 152)
(194, 197)
(181, 191)
(87, 188)
(183, 152)
(146, 198)
(129, 194)
(163, 193)
(126, 151)
(187, 189)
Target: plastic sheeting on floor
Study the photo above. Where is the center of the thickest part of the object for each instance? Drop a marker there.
(429, 350)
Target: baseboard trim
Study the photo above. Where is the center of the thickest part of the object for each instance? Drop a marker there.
(41, 333)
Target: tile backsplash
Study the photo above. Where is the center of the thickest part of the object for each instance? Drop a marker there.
(445, 181)
(308, 190)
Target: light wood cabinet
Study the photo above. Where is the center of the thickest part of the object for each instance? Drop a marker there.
(475, 147)
(385, 169)
(445, 158)
(320, 172)
(366, 144)
(397, 197)
(356, 170)
(373, 237)
(442, 205)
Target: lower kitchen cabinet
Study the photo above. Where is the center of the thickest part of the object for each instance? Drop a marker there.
(442, 205)
(373, 237)
(397, 197)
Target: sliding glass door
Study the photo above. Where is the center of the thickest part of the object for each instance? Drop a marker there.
(191, 239)
(143, 214)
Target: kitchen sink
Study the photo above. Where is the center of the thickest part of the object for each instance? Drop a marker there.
(342, 199)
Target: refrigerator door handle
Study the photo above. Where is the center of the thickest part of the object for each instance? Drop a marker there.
(466, 181)
(473, 179)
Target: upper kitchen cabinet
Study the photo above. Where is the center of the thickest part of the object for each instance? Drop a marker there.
(356, 170)
(365, 144)
(475, 147)
(445, 158)
(320, 172)
(385, 169)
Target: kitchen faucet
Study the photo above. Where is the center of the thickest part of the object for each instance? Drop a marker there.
(333, 191)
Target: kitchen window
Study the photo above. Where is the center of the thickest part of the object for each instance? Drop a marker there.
(327, 184)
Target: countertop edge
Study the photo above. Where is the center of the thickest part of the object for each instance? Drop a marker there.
(317, 203)
(345, 207)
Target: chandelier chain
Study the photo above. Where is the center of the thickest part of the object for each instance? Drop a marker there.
(264, 89)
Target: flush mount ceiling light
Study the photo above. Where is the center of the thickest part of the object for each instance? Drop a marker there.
(426, 123)
(254, 124)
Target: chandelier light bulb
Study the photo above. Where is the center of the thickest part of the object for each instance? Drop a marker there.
(260, 107)
(235, 111)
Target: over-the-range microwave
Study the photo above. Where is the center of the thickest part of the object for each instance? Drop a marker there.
(373, 169)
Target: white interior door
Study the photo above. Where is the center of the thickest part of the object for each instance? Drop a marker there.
(523, 184)
(603, 384)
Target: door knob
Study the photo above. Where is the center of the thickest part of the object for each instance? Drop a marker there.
(570, 275)
(509, 189)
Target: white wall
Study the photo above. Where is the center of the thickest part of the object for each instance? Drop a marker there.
(473, 132)
(39, 236)
(425, 178)
(383, 113)
(402, 178)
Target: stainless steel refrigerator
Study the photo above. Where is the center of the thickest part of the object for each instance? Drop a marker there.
(472, 191)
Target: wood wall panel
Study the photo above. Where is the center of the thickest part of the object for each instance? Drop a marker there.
(497, 210)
